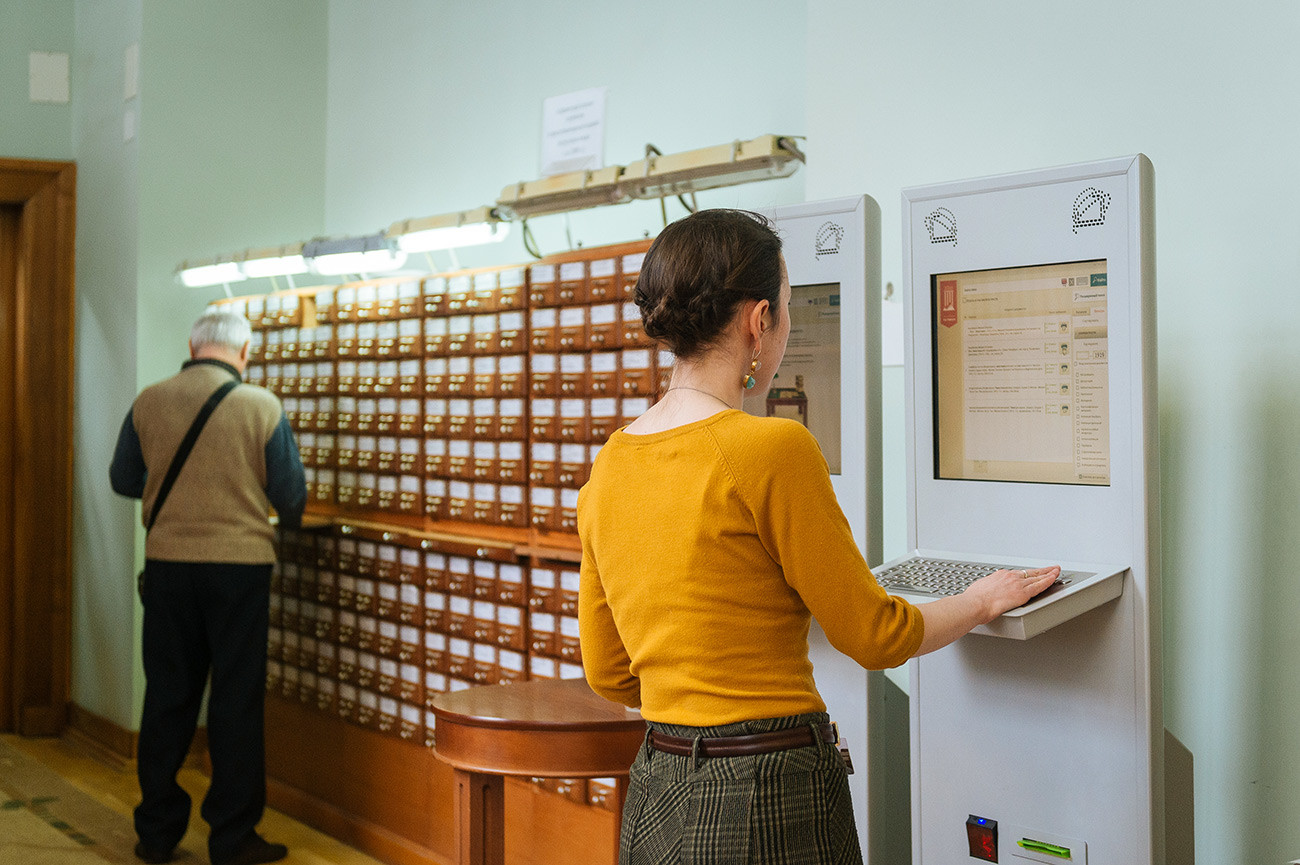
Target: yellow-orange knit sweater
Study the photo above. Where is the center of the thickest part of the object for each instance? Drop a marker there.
(705, 549)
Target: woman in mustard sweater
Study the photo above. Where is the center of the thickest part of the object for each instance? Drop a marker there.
(709, 539)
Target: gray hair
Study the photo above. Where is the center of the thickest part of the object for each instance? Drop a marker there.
(222, 328)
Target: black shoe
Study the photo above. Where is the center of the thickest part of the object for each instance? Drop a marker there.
(256, 850)
(153, 857)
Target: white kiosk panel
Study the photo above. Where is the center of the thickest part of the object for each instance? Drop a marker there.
(830, 380)
(1032, 440)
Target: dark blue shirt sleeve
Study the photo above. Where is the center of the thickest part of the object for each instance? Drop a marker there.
(286, 485)
(127, 472)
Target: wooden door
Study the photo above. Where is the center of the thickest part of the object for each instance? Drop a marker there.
(37, 220)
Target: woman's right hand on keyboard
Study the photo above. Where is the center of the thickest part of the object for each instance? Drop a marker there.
(1005, 590)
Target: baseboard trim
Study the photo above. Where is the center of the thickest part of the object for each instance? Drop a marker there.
(116, 746)
(108, 742)
(365, 836)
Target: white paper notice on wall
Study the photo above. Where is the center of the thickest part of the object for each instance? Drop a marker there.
(47, 75)
(573, 131)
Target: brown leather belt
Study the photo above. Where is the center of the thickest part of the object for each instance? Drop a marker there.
(739, 746)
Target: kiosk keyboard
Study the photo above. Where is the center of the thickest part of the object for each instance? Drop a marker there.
(945, 577)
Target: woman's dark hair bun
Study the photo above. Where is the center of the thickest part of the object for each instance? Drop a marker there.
(700, 269)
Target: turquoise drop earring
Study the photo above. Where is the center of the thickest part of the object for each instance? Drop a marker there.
(754, 367)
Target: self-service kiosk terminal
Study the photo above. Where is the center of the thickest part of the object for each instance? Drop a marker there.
(830, 381)
(1031, 415)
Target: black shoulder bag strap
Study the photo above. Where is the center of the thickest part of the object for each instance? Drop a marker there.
(187, 444)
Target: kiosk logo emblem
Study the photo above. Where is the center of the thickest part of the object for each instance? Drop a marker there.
(948, 302)
(942, 226)
(1089, 208)
(828, 239)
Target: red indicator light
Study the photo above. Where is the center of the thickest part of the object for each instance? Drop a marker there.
(982, 835)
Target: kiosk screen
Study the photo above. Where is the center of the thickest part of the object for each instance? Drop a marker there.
(1021, 374)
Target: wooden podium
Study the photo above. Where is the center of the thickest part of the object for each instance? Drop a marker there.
(546, 729)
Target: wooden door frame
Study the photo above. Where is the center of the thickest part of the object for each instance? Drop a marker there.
(36, 579)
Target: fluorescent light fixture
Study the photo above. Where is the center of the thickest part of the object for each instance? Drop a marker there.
(197, 274)
(762, 158)
(373, 253)
(576, 190)
(450, 230)
(284, 260)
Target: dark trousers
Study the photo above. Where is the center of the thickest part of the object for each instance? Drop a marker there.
(202, 618)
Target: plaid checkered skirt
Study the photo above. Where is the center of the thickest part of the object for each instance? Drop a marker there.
(783, 808)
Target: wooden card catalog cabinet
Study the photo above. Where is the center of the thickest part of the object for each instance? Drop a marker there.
(255, 310)
(386, 301)
(575, 420)
(511, 378)
(544, 376)
(629, 272)
(324, 304)
(410, 376)
(568, 521)
(511, 415)
(460, 289)
(573, 465)
(511, 328)
(460, 330)
(544, 326)
(367, 302)
(487, 418)
(271, 345)
(484, 297)
(386, 415)
(602, 280)
(484, 376)
(512, 507)
(345, 339)
(510, 462)
(484, 507)
(573, 328)
(460, 500)
(408, 301)
(435, 336)
(368, 339)
(545, 463)
(460, 369)
(435, 416)
(485, 330)
(460, 413)
(544, 505)
(435, 498)
(603, 326)
(434, 295)
(604, 374)
(573, 283)
(386, 378)
(604, 418)
(543, 289)
(510, 289)
(633, 333)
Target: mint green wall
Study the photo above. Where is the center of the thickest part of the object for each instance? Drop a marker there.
(435, 107)
(228, 153)
(232, 147)
(32, 130)
(922, 92)
(104, 626)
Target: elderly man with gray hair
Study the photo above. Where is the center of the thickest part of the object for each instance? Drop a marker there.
(209, 550)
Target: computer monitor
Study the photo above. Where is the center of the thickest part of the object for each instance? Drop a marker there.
(1021, 374)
